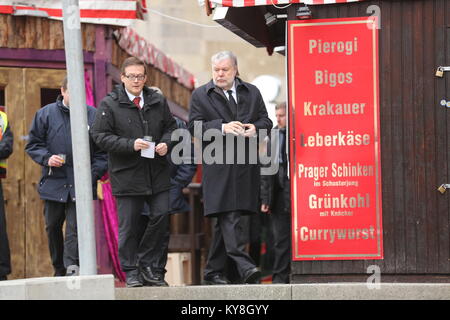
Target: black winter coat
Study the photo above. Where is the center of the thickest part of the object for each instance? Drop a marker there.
(180, 177)
(276, 185)
(118, 124)
(229, 187)
(49, 135)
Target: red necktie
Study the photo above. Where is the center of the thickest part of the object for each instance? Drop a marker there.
(136, 102)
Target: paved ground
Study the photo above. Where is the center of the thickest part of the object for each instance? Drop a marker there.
(332, 291)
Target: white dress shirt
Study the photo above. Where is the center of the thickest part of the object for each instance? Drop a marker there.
(132, 96)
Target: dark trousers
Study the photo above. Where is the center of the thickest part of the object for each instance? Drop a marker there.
(5, 255)
(281, 230)
(156, 257)
(63, 251)
(136, 247)
(228, 241)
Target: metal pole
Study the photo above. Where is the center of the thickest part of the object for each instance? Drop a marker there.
(80, 138)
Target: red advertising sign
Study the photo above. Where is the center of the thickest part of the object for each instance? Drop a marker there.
(335, 139)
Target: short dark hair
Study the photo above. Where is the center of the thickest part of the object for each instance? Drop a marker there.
(132, 61)
(64, 83)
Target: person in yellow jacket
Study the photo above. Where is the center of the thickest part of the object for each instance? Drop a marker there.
(6, 148)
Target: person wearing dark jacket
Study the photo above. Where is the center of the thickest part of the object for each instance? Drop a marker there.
(6, 149)
(276, 201)
(127, 115)
(50, 145)
(231, 110)
(180, 176)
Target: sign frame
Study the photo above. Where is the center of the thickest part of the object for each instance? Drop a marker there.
(300, 251)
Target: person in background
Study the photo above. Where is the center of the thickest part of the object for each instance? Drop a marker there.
(6, 149)
(180, 177)
(134, 126)
(276, 201)
(236, 109)
(50, 145)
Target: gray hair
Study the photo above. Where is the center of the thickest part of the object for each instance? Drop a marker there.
(224, 55)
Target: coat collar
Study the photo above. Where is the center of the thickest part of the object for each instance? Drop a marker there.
(150, 96)
(61, 106)
(224, 110)
(210, 86)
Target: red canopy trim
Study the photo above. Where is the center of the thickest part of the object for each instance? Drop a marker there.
(138, 47)
(111, 12)
(251, 3)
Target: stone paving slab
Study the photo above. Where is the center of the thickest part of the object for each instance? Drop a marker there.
(230, 292)
(97, 287)
(331, 291)
(361, 291)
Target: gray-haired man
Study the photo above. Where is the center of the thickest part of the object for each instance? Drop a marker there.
(236, 110)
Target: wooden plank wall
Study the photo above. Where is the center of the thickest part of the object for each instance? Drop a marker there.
(415, 144)
(46, 34)
(38, 33)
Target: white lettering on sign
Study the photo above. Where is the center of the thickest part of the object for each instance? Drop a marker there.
(324, 47)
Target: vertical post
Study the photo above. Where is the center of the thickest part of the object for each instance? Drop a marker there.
(80, 137)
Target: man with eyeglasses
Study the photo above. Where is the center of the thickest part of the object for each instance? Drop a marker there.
(134, 126)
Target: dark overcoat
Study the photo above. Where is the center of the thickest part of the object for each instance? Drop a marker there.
(228, 186)
(118, 124)
(180, 177)
(50, 134)
(276, 184)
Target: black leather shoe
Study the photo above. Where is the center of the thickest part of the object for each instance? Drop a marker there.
(133, 279)
(217, 279)
(252, 276)
(162, 282)
(3, 278)
(152, 279)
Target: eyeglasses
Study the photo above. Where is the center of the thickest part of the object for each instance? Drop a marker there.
(134, 77)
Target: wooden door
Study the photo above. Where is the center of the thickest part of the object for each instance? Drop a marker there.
(11, 82)
(26, 91)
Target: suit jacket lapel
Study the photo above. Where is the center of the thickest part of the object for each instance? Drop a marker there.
(243, 113)
(222, 108)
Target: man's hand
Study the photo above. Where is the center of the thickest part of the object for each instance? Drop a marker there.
(140, 144)
(55, 161)
(234, 127)
(161, 149)
(265, 208)
(250, 130)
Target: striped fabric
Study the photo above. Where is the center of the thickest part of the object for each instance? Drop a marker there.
(251, 3)
(111, 12)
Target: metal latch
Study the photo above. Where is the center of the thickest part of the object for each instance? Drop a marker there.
(443, 187)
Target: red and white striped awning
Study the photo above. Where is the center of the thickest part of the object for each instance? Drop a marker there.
(251, 3)
(111, 12)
